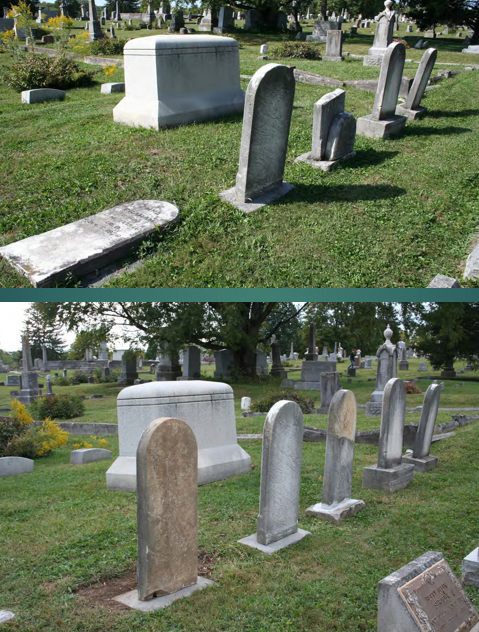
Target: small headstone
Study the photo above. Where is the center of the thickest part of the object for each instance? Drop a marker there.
(6, 615)
(64, 372)
(264, 141)
(422, 367)
(334, 46)
(412, 107)
(245, 403)
(330, 385)
(13, 465)
(280, 480)
(38, 95)
(89, 455)
(336, 503)
(421, 459)
(108, 88)
(390, 474)
(263, 50)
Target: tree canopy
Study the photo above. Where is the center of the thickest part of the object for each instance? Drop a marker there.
(42, 328)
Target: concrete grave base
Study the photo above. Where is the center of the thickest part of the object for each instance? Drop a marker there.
(367, 126)
(421, 464)
(412, 115)
(89, 455)
(13, 465)
(388, 480)
(333, 58)
(470, 569)
(325, 165)
(269, 549)
(39, 95)
(372, 60)
(131, 600)
(336, 513)
(262, 200)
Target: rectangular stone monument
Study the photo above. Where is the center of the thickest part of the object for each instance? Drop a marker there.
(425, 596)
(89, 243)
(311, 374)
(29, 383)
(264, 139)
(336, 503)
(13, 465)
(167, 516)
(334, 46)
(390, 474)
(383, 36)
(280, 480)
(321, 28)
(13, 380)
(224, 363)
(330, 384)
(312, 354)
(412, 107)
(420, 458)
(261, 363)
(175, 80)
(226, 21)
(422, 367)
(207, 407)
(128, 370)
(470, 569)
(191, 363)
(384, 122)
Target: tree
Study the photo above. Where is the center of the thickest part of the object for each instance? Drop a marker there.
(431, 13)
(42, 328)
(240, 327)
(88, 339)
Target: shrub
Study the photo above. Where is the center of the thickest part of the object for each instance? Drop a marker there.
(61, 381)
(100, 443)
(10, 427)
(62, 406)
(264, 403)
(79, 378)
(99, 379)
(107, 46)
(39, 71)
(296, 50)
(412, 388)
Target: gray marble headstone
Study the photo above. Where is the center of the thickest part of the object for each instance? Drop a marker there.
(422, 367)
(390, 474)
(387, 369)
(330, 384)
(421, 459)
(336, 503)
(224, 362)
(168, 368)
(334, 46)
(128, 373)
(383, 36)
(277, 369)
(264, 141)
(261, 362)
(49, 385)
(29, 382)
(412, 107)
(312, 354)
(280, 479)
(191, 362)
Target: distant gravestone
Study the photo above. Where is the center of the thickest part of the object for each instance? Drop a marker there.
(387, 369)
(422, 367)
(128, 370)
(383, 36)
(64, 372)
(334, 46)
(321, 28)
(412, 107)
(384, 122)
(409, 28)
(312, 354)
(109, 88)
(224, 362)
(245, 403)
(6, 615)
(30, 389)
(191, 363)
(89, 455)
(226, 20)
(330, 385)
(13, 380)
(264, 141)
(277, 525)
(390, 474)
(13, 465)
(403, 363)
(336, 503)
(277, 369)
(39, 95)
(261, 363)
(425, 596)
(334, 133)
(168, 367)
(421, 459)
(49, 385)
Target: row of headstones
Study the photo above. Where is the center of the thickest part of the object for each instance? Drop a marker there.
(167, 503)
(14, 465)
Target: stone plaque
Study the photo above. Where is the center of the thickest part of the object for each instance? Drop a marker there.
(437, 601)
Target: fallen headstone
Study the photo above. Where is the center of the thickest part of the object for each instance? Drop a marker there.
(442, 281)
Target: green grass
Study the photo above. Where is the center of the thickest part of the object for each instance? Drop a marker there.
(342, 229)
(60, 530)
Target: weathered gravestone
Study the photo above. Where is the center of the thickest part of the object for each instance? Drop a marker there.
(207, 407)
(191, 363)
(277, 369)
(224, 363)
(330, 384)
(226, 20)
(334, 46)
(334, 133)
(128, 369)
(277, 525)
(312, 354)
(421, 459)
(245, 403)
(30, 390)
(390, 474)
(425, 596)
(387, 369)
(13, 380)
(261, 362)
(321, 28)
(175, 80)
(94, 26)
(13, 465)
(39, 95)
(177, 21)
(49, 385)
(470, 568)
(383, 36)
(89, 455)
(168, 367)
(422, 367)
(384, 122)
(167, 516)
(412, 107)
(336, 503)
(264, 140)
(403, 363)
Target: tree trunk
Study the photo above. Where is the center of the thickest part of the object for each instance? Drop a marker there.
(324, 8)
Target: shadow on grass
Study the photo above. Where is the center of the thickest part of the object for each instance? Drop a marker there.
(369, 157)
(436, 114)
(437, 131)
(319, 193)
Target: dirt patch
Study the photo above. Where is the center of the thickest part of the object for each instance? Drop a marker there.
(102, 593)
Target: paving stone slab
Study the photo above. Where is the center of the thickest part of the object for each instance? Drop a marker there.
(131, 600)
(89, 243)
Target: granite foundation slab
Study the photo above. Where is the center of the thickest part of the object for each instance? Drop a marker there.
(131, 600)
(333, 58)
(89, 243)
(109, 88)
(325, 165)
(390, 479)
(336, 513)
(470, 569)
(269, 549)
(421, 464)
(13, 465)
(89, 455)
(412, 115)
(264, 199)
(39, 95)
(367, 126)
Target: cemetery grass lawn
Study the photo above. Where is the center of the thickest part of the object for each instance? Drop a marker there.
(62, 531)
(399, 213)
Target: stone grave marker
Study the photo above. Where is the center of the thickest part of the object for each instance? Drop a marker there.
(30, 389)
(89, 455)
(403, 363)
(226, 20)
(167, 514)
(422, 367)
(425, 596)
(6, 615)
(89, 243)
(13, 380)
(245, 403)
(168, 367)
(128, 372)
(334, 46)
(277, 369)
(49, 385)
(39, 95)
(321, 28)
(264, 141)
(330, 384)
(13, 465)
(390, 474)
(336, 503)
(312, 354)
(261, 362)
(384, 122)
(109, 88)
(470, 568)
(224, 363)
(412, 107)
(383, 36)
(387, 369)
(277, 525)
(334, 133)
(421, 459)
(191, 363)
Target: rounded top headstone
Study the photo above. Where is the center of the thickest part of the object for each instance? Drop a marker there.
(388, 4)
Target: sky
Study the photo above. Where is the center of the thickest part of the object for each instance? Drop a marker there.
(12, 317)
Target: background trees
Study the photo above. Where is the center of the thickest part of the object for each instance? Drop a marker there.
(43, 328)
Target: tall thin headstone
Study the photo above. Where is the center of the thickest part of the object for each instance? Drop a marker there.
(420, 458)
(191, 363)
(390, 474)
(383, 36)
(387, 369)
(277, 525)
(94, 26)
(44, 357)
(264, 141)
(312, 354)
(129, 372)
(168, 368)
(330, 385)
(49, 385)
(412, 107)
(277, 369)
(29, 391)
(336, 503)
(403, 362)
(224, 362)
